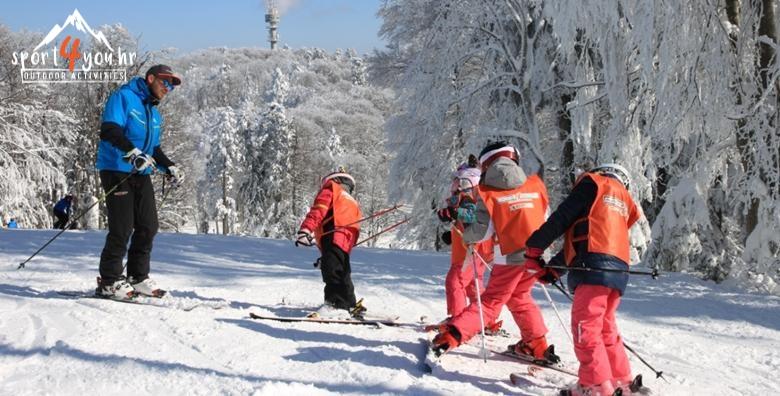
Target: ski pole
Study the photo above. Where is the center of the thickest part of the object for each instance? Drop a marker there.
(654, 274)
(487, 265)
(67, 226)
(384, 231)
(164, 193)
(546, 293)
(376, 214)
(474, 255)
(658, 374)
(483, 351)
(558, 314)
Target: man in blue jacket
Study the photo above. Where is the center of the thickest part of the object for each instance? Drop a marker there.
(12, 224)
(62, 212)
(130, 145)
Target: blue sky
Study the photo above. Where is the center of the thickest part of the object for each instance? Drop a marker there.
(195, 24)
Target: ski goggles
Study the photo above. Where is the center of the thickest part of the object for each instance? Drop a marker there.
(167, 84)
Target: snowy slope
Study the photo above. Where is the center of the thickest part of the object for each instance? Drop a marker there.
(708, 339)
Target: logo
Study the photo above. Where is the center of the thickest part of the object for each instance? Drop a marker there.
(67, 61)
(615, 204)
(518, 197)
(519, 201)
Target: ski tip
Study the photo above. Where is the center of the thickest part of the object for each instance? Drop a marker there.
(514, 378)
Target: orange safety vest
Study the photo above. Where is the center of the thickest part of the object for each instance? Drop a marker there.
(459, 250)
(516, 213)
(458, 253)
(605, 229)
(346, 211)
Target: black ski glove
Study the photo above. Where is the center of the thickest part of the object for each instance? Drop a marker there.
(446, 237)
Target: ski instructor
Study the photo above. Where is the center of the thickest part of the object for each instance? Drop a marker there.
(128, 152)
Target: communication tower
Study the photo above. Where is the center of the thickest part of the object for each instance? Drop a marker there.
(272, 20)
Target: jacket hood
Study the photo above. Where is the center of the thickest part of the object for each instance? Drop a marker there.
(138, 86)
(504, 174)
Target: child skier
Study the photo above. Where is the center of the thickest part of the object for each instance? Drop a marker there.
(510, 206)
(332, 222)
(459, 283)
(595, 217)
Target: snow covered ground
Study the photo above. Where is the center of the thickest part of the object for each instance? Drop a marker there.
(707, 339)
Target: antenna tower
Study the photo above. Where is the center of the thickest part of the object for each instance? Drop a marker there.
(272, 20)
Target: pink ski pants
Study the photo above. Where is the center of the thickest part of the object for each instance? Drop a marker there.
(459, 285)
(510, 285)
(597, 343)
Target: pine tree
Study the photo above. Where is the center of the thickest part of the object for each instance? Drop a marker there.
(222, 161)
(267, 192)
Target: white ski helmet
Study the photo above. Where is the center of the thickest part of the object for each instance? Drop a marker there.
(342, 177)
(612, 169)
(465, 178)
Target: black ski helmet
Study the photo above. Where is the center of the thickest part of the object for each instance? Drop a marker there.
(495, 150)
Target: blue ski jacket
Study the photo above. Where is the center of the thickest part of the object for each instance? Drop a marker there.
(63, 205)
(132, 107)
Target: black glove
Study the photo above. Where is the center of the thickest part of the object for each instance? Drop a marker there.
(304, 238)
(447, 214)
(550, 276)
(446, 237)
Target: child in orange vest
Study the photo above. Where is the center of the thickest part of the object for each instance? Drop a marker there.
(459, 283)
(332, 222)
(510, 205)
(595, 219)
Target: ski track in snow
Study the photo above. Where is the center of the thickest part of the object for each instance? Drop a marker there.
(707, 339)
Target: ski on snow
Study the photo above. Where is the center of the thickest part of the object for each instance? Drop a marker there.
(165, 301)
(534, 364)
(354, 321)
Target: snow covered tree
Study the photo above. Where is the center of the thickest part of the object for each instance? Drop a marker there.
(267, 191)
(222, 161)
(684, 95)
(37, 142)
(472, 71)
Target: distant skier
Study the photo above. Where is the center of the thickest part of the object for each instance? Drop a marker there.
(510, 207)
(62, 211)
(595, 219)
(130, 145)
(12, 224)
(459, 283)
(332, 222)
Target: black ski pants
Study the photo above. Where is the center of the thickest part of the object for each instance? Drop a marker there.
(337, 275)
(62, 220)
(131, 212)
